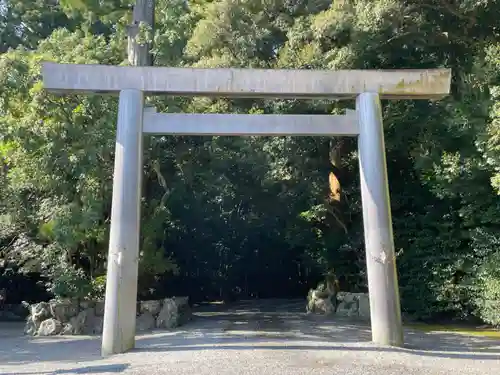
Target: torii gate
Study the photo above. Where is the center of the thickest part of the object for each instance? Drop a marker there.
(132, 83)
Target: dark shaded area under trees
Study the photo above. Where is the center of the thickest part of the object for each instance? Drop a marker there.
(256, 217)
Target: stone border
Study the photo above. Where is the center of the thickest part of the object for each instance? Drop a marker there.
(86, 318)
(346, 304)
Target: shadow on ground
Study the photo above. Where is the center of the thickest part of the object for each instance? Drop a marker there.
(101, 369)
(277, 325)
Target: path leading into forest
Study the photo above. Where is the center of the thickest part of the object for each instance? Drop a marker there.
(262, 338)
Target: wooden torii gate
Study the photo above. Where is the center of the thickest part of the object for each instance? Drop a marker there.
(367, 87)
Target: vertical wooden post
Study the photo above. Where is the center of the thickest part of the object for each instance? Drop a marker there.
(385, 307)
(123, 256)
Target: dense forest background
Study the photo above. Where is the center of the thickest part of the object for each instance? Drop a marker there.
(254, 217)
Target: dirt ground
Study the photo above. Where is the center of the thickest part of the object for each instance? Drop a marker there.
(255, 337)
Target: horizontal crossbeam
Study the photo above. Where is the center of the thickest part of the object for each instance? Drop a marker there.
(248, 125)
(270, 83)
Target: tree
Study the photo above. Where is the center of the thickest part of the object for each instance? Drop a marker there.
(232, 216)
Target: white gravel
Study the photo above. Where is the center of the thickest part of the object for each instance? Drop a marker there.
(268, 338)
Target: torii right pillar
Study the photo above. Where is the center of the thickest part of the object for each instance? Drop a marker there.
(385, 308)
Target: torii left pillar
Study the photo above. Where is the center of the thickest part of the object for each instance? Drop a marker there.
(123, 258)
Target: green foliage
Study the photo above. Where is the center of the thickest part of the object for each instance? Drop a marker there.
(25, 23)
(230, 216)
(98, 288)
(485, 282)
(68, 282)
(109, 11)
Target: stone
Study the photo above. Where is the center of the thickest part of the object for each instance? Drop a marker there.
(323, 299)
(84, 305)
(67, 329)
(320, 302)
(364, 306)
(99, 308)
(30, 328)
(145, 322)
(323, 306)
(86, 318)
(353, 305)
(347, 304)
(153, 307)
(95, 325)
(184, 309)
(63, 311)
(83, 323)
(49, 327)
(181, 301)
(343, 304)
(40, 312)
(168, 316)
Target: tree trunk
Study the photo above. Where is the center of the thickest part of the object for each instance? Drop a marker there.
(334, 182)
(139, 53)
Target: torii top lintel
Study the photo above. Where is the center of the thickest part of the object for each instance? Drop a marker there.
(250, 83)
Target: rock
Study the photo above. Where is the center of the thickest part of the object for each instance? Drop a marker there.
(67, 329)
(322, 299)
(145, 322)
(64, 310)
(364, 306)
(86, 318)
(181, 301)
(323, 306)
(40, 312)
(169, 315)
(342, 304)
(320, 302)
(30, 328)
(84, 305)
(83, 323)
(99, 308)
(49, 327)
(95, 325)
(184, 309)
(348, 304)
(153, 307)
(353, 305)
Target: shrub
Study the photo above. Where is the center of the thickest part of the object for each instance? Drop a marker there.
(488, 290)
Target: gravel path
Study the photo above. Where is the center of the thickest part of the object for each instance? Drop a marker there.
(268, 338)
